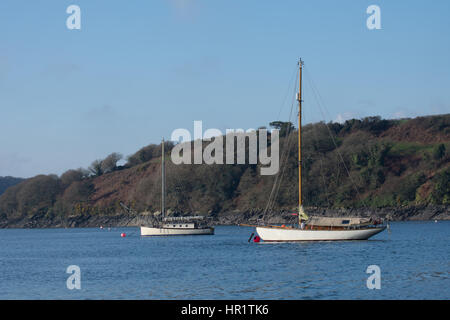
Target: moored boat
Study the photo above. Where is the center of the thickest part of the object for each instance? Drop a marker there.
(323, 229)
(174, 226)
(318, 228)
(179, 226)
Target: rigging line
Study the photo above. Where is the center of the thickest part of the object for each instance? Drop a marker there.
(321, 158)
(284, 165)
(283, 170)
(148, 195)
(276, 184)
(289, 139)
(178, 190)
(325, 184)
(318, 98)
(286, 148)
(294, 74)
(286, 155)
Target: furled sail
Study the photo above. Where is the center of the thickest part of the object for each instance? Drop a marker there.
(302, 215)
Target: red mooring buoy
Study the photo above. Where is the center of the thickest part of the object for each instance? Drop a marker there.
(256, 239)
(123, 235)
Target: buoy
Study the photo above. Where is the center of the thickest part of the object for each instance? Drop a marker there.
(123, 235)
(256, 239)
(283, 226)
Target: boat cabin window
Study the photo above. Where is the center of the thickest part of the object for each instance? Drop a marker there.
(345, 221)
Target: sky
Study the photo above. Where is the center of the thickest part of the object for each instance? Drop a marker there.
(138, 70)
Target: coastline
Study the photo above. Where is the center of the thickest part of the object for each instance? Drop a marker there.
(409, 213)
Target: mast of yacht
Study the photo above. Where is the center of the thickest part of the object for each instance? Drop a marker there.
(163, 183)
(301, 212)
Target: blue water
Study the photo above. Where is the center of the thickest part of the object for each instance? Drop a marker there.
(413, 259)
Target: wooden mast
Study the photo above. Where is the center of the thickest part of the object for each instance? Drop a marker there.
(299, 99)
(163, 182)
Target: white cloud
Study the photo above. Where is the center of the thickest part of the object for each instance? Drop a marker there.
(342, 117)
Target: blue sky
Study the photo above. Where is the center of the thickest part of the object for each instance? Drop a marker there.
(137, 70)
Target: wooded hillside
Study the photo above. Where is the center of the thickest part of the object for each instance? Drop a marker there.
(361, 163)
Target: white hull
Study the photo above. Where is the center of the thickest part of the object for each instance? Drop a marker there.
(148, 231)
(288, 235)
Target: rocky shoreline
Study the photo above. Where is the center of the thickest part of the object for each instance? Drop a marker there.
(410, 213)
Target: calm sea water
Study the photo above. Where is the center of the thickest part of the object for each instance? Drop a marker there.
(414, 263)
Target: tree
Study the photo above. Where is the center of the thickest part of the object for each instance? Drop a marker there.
(6, 182)
(109, 164)
(35, 194)
(96, 168)
(77, 192)
(439, 152)
(71, 176)
(441, 191)
(284, 127)
(147, 153)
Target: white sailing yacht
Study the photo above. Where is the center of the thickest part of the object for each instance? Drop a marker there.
(174, 226)
(318, 228)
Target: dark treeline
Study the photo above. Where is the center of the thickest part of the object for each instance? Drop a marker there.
(6, 182)
(368, 162)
